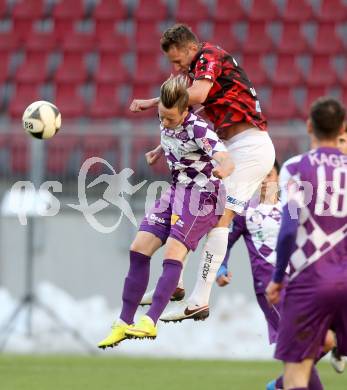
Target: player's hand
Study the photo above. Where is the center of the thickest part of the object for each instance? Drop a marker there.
(223, 277)
(224, 280)
(273, 292)
(220, 172)
(154, 155)
(138, 105)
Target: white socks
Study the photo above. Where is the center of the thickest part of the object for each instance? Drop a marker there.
(184, 263)
(213, 255)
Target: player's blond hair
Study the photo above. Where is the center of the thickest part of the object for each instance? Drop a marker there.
(178, 35)
(173, 93)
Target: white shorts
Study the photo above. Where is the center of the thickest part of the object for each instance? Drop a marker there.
(253, 154)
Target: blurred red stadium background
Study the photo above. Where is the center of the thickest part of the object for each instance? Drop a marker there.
(91, 57)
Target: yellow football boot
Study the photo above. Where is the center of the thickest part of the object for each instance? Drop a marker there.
(143, 329)
(116, 336)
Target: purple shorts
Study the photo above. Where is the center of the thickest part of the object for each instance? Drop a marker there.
(272, 315)
(315, 301)
(185, 214)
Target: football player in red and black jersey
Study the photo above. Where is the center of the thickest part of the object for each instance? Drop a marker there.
(230, 102)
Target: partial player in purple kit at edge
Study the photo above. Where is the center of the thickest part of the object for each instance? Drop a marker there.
(185, 213)
(259, 226)
(312, 239)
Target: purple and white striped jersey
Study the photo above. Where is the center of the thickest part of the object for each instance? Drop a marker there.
(314, 195)
(188, 149)
(259, 225)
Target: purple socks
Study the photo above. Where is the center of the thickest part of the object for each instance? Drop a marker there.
(135, 285)
(165, 287)
(136, 282)
(314, 384)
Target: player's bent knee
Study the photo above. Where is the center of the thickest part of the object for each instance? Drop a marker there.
(175, 250)
(145, 243)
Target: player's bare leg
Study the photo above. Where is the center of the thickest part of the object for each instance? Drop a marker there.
(297, 375)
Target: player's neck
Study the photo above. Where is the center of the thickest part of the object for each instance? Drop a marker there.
(325, 144)
(269, 198)
(184, 118)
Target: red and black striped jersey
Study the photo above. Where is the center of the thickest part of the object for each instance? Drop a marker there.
(232, 98)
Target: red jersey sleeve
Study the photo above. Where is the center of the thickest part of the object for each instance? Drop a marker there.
(208, 67)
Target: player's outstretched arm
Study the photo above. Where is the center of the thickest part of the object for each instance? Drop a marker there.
(198, 91)
(225, 165)
(138, 105)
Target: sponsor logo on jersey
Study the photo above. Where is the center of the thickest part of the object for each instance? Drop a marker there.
(207, 145)
(257, 217)
(155, 218)
(179, 223)
(232, 200)
(174, 219)
(210, 66)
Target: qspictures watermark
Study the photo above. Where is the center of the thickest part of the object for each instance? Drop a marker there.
(25, 199)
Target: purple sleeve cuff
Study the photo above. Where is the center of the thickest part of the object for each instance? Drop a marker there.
(285, 244)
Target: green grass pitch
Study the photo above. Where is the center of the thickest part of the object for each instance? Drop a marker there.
(94, 373)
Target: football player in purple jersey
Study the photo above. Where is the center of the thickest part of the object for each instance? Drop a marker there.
(312, 239)
(259, 226)
(185, 212)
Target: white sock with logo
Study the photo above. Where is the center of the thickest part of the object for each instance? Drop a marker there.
(180, 282)
(213, 255)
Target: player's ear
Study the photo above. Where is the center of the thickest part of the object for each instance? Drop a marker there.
(343, 128)
(192, 46)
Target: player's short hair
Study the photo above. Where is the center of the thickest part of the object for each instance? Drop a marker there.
(327, 116)
(173, 93)
(178, 35)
